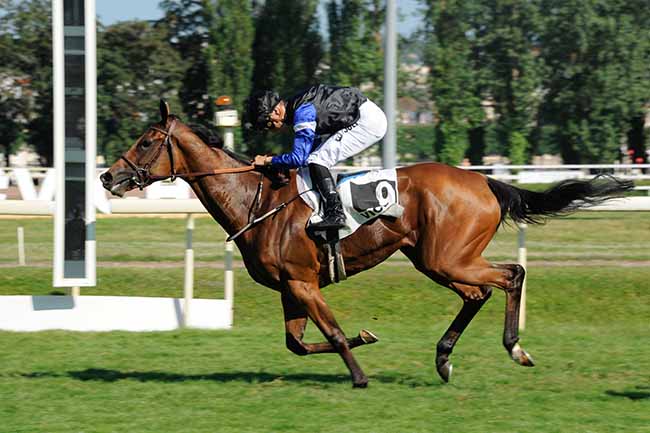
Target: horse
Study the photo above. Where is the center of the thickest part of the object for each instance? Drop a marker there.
(450, 215)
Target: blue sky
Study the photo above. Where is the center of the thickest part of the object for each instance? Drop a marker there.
(110, 11)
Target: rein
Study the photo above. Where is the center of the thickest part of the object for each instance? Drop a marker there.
(143, 177)
(254, 222)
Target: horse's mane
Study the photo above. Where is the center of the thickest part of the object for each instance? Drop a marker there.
(211, 136)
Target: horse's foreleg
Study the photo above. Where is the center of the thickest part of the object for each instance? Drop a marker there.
(295, 321)
(308, 296)
(473, 300)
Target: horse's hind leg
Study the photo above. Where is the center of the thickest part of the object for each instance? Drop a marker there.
(510, 278)
(473, 300)
(295, 321)
(511, 326)
(308, 295)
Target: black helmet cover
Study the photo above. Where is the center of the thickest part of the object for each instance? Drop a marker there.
(259, 107)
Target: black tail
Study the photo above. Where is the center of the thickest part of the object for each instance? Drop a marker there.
(565, 197)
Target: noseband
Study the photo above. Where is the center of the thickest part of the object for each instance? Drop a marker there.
(143, 177)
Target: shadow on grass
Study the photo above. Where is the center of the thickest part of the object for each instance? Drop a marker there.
(641, 394)
(104, 375)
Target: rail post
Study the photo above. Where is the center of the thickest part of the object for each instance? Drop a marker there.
(229, 276)
(522, 257)
(188, 287)
(21, 246)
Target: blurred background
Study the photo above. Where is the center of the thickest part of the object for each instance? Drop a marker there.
(480, 81)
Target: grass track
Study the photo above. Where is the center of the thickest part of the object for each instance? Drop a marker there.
(588, 331)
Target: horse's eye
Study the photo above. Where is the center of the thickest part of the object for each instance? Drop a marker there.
(145, 143)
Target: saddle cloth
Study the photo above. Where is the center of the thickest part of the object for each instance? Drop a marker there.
(365, 196)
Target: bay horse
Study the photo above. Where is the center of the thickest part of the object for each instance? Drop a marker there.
(450, 215)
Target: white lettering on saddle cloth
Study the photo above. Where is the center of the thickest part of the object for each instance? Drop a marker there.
(365, 196)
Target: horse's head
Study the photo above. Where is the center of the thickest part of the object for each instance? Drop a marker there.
(151, 158)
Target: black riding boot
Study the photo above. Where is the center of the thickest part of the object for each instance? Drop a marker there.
(324, 183)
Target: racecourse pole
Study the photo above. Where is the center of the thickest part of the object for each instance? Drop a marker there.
(522, 258)
(390, 84)
(188, 288)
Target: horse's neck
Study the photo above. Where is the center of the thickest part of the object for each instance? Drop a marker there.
(228, 197)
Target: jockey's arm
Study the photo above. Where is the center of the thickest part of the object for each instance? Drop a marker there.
(304, 128)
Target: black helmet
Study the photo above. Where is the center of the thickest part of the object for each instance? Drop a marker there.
(259, 107)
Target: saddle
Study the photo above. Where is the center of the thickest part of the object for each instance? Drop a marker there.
(365, 196)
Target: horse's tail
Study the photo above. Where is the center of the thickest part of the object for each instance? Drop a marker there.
(563, 198)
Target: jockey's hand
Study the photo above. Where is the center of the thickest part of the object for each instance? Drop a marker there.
(262, 160)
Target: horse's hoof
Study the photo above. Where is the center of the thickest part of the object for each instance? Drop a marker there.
(368, 337)
(361, 384)
(445, 371)
(521, 357)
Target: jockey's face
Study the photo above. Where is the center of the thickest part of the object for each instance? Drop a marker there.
(277, 116)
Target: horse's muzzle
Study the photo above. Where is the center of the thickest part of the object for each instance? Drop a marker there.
(117, 185)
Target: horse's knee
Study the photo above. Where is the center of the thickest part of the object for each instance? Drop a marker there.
(295, 346)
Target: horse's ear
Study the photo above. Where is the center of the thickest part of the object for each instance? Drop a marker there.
(164, 111)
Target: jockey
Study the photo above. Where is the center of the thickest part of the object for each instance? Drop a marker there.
(351, 120)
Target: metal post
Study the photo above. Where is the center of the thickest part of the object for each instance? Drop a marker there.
(21, 246)
(188, 288)
(522, 258)
(390, 84)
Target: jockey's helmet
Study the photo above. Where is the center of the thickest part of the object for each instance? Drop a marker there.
(259, 107)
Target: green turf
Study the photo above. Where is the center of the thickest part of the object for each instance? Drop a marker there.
(587, 330)
(610, 236)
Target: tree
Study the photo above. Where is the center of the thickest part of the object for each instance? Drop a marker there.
(26, 71)
(231, 39)
(454, 83)
(596, 52)
(355, 54)
(188, 24)
(136, 67)
(505, 37)
(287, 50)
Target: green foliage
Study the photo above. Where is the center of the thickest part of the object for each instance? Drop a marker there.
(26, 61)
(287, 47)
(356, 55)
(189, 24)
(136, 68)
(231, 39)
(597, 54)
(287, 50)
(505, 37)
(454, 81)
(415, 142)
(518, 148)
(567, 76)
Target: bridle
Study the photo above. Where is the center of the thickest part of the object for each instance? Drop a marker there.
(143, 176)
